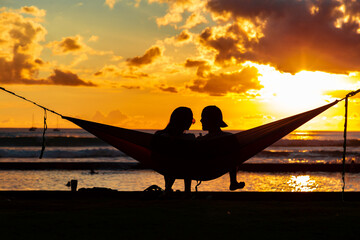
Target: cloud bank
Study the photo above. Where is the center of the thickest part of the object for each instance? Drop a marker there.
(289, 35)
(20, 51)
(239, 82)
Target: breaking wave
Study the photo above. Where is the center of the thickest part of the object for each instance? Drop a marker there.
(62, 153)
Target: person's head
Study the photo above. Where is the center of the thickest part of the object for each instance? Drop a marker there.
(180, 120)
(212, 119)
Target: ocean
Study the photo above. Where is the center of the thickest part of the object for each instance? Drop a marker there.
(78, 146)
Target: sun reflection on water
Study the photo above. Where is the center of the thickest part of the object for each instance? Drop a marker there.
(302, 183)
(301, 135)
(139, 180)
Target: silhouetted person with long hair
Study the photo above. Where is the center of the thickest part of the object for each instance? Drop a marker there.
(212, 121)
(180, 121)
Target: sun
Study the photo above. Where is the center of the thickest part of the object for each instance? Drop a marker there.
(293, 93)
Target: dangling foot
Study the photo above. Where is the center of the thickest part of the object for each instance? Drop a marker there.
(237, 185)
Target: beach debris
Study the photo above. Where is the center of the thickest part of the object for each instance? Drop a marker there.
(154, 188)
(72, 184)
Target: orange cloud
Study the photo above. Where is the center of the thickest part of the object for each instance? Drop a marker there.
(33, 10)
(110, 3)
(236, 82)
(193, 20)
(168, 89)
(114, 71)
(203, 67)
(177, 9)
(108, 70)
(93, 38)
(114, 117)
(20, 60)
(148, 58)
(76, 46)
(183, 36)
(295, 35)
(19, 56)
(68, 44)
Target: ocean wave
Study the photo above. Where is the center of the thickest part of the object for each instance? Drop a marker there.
(316, 143)
(51, 141)
(62, 153)
(63, 141)
(316, 154)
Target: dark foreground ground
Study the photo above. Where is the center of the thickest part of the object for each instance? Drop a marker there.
(135, 215)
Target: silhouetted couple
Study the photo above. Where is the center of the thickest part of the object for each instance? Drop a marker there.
(212, 121)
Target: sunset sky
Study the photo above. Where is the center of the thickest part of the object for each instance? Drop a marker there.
(130, 63)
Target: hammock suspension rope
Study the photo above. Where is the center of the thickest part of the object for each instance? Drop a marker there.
(345, 136)
(43, 135)
(351, 94)
(45, 117)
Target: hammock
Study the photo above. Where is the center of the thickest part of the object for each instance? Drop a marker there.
(200, 159)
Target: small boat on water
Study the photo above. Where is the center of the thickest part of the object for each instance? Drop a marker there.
(57, 129)
(33, 128)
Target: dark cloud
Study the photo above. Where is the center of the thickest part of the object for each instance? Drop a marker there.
(67, 45)
(149, 57)
(219, 85)
(296, 34)
(70, 44)
(108, 70)
(131, 87)
(168, 89)
(183, 36)
(203, 67)
(227, 46)
(68, 79)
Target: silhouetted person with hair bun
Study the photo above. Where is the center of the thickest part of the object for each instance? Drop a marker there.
(180, 120)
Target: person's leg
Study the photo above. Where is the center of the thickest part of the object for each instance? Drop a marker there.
(234, 184)
(187, 183)
(169, 181)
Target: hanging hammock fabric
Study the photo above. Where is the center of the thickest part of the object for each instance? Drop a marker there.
(199, 159)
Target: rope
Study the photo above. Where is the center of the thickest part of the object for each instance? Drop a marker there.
(45, 117)
(197, 184)
(43, 135)
(1, 88)
(344, 145)
(351, 94)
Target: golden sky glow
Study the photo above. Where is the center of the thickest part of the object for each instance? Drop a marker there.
(130, 63)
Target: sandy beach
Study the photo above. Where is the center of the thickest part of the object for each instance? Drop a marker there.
(116, 215)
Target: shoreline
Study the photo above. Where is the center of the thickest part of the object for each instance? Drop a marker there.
(246, 167)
